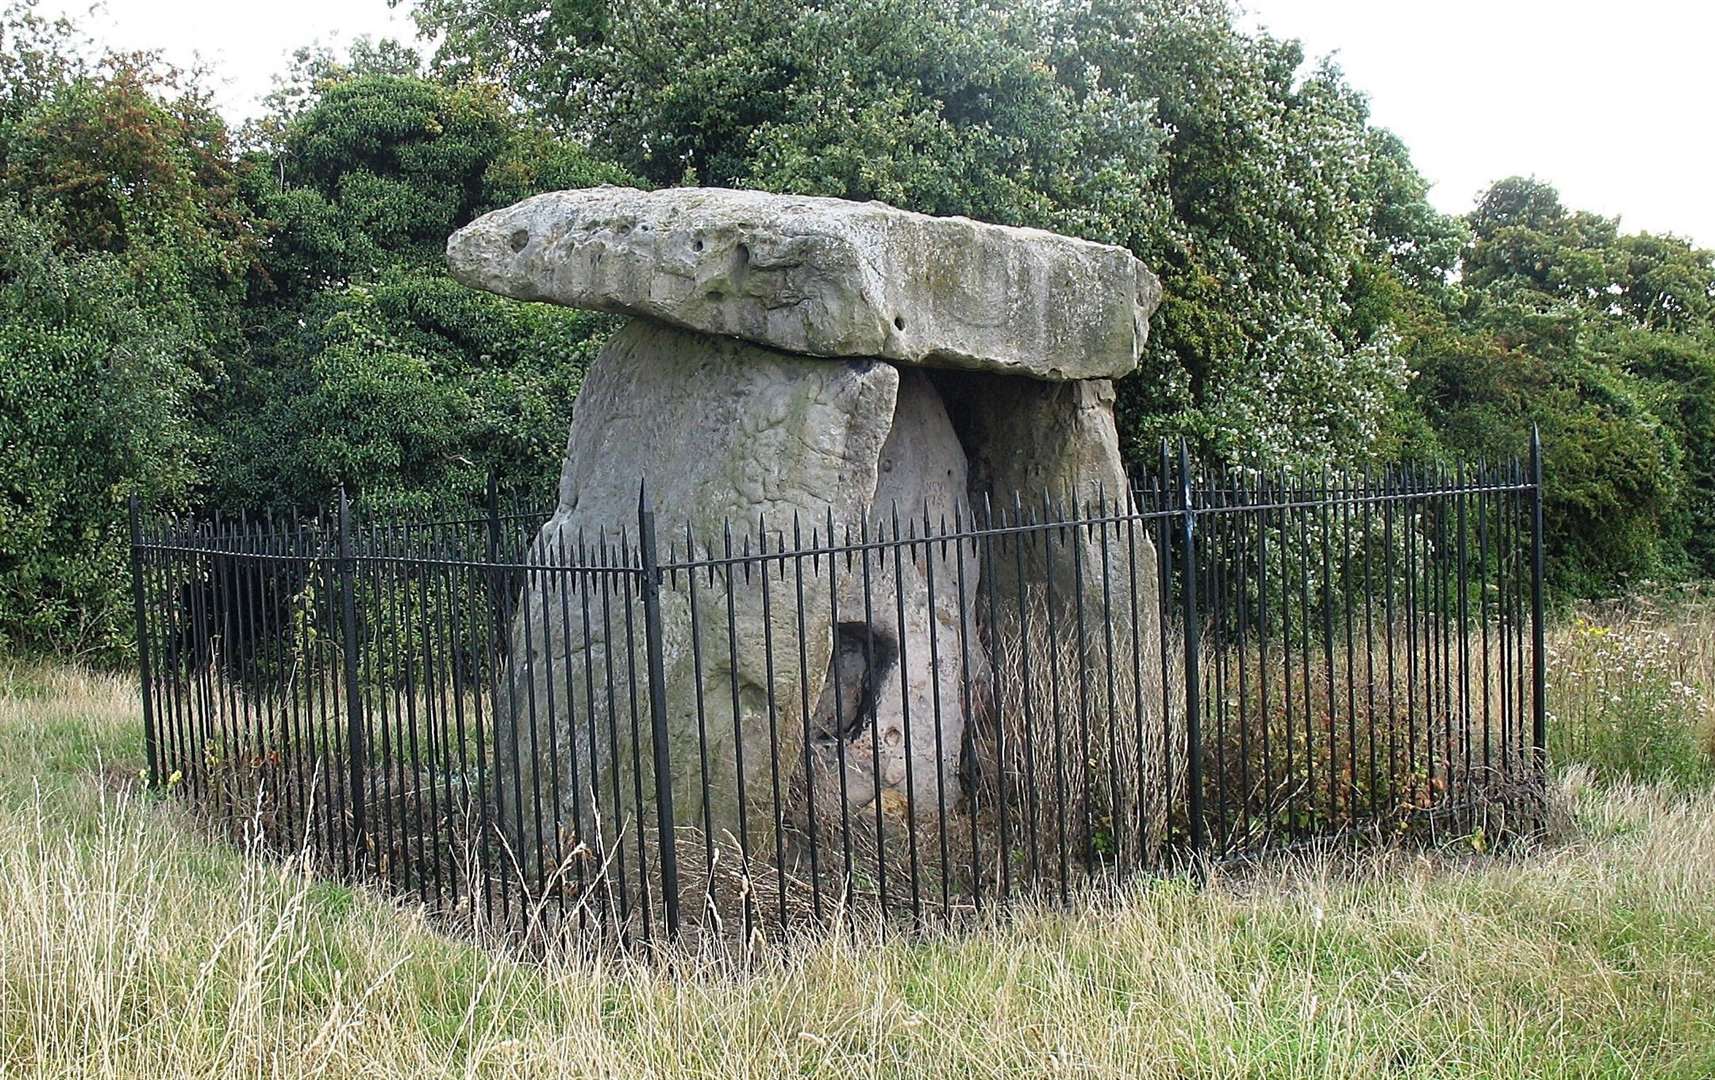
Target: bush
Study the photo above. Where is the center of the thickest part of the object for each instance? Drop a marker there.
(94, 405)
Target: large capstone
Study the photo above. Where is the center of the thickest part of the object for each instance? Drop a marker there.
(824, 277)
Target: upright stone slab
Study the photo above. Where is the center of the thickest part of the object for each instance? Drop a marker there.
(892, 712)
(1074, 614)
(727, 435)
(824, 277)
(1031, 441)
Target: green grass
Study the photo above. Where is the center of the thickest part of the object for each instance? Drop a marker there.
(133, 944)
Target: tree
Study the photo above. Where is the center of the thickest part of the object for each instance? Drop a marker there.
(1288, 231)
(1604, 339)
(95, 405)
(368, 368)
(123, 256)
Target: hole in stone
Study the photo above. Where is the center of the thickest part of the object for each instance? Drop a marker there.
(716, 295)
(863, 656)
(696, 245)
(519, 239)
(899, 322)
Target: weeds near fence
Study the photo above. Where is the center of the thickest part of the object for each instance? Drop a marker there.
(1632, 691)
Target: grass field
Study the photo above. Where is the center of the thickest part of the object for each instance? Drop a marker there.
(131, 944)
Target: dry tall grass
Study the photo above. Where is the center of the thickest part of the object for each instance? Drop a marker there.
(133, 944)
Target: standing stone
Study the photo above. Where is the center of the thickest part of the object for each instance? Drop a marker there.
(906, 640)
(1027, 440)
(1072, 616)
(734, 436)
(826, 277)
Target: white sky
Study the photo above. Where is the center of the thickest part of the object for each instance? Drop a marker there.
(1611, 102)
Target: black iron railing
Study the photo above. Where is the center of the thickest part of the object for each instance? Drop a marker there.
(738, 729)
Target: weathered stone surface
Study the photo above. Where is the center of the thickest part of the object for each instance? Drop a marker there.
(826, 277)
(728, 433)
(1029, 441)
(893, 708)
(1026, 439)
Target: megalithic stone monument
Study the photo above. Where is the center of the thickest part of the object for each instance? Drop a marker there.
(793, 366)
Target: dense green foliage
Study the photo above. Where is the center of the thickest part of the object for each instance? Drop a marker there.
(368, 366)
(1282, 224)
(260, 318)
(1607, 340)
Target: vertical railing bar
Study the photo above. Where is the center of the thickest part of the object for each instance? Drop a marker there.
(552, 579)
(874, 719)
(1004, 848)
(330, 699)
(773, 706)
(1264, 808)
(1193, 674)
(811, 825)
(144, 670)
(1324, 499)
(936, 706)
(609, 563)
(356, 748)
(1115, 831)
(402, 575)
(1539, 655)
(1062, 779)
(572, 573)
(694, 603)
(1347, 500)
(1292, 788)
(1482, 602)
(1463, 578)
(1240, 533)
(730, 568)
(1368, 527)
(1165, 504)
(970, 733)
(1027, 713)
(1080, 513)
(839, 733)
(630, 576)
(905, 717)
(652, 632)
(594, 577)
(453, 638)
(1138, 633)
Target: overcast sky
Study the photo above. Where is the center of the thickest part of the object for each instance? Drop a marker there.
(1611, 102)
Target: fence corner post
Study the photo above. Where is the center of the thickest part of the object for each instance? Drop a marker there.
(356, 737)
(141, 612)
(1193, 672)
(1539, 667)
(652, 635)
